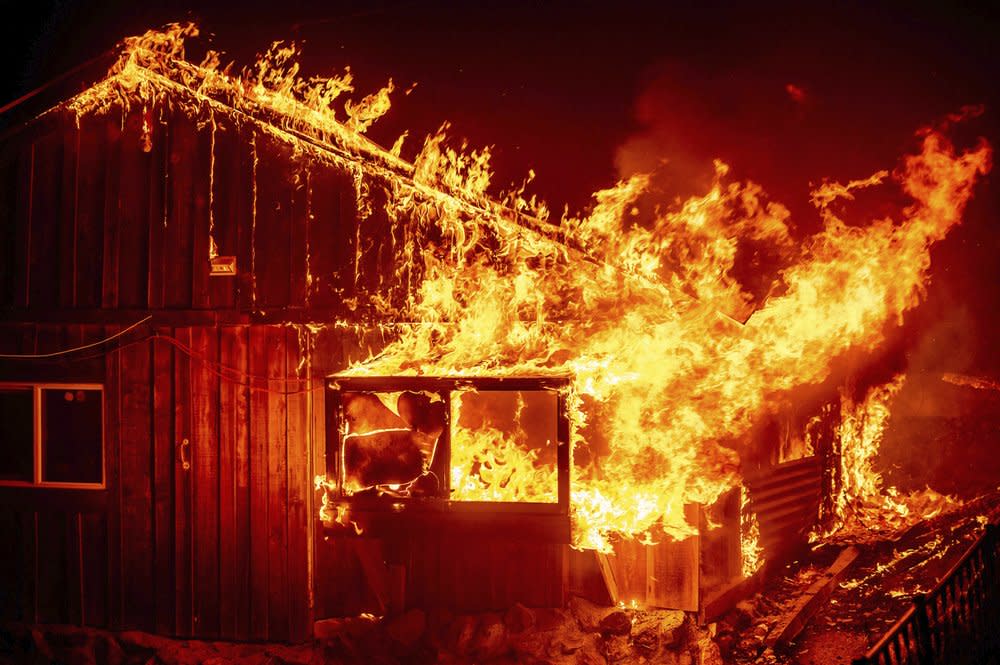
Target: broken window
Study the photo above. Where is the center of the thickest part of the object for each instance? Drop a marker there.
(466, 440)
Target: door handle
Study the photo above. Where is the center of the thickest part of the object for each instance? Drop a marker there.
(185, 462)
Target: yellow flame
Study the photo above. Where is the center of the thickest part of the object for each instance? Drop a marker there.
(629, 304)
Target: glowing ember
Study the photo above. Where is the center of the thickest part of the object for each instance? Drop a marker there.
(627, 303)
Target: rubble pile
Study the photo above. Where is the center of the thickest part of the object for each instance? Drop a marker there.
(582, 633)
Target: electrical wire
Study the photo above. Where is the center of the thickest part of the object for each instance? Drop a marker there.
(54, 354)
(235, 376)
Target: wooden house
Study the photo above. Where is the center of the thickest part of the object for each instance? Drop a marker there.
(179, 275)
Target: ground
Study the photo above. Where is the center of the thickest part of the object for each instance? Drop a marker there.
(874, 593)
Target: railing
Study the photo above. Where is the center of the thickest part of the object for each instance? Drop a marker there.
(957, 622)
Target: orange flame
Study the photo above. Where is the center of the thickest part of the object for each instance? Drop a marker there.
(627, 304)
(864, 507)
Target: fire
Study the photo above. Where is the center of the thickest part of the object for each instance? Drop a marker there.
(750, 547)
(864, 506)
(641, 309)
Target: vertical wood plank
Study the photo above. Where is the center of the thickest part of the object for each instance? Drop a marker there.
(90, 208)
(22, 226)
(299, 481)
(51, 566)
(247, 222)
(275, 188)
(183, 574)
(234, 517)
(74, 568)
(258, 448)
(133, 211)
(230, 207)
(205, 481)
(201, 212)
(112, 447)
(299, 239)
(136, 489)
(277, 486)
(163, 484)
(109, 255)
(46, 216)
(158, 213)
(67, 223)
(94, 574)
(8, 220)
(182, 186)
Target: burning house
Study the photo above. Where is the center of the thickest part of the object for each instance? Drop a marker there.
(258, 371)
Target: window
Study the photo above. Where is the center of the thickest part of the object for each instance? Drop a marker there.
(52, 435)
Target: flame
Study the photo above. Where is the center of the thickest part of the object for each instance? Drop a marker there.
(750, 548)
(489, 464)
(863, 505)
(641, 308)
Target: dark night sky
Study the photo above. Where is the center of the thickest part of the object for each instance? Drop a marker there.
(583, 92)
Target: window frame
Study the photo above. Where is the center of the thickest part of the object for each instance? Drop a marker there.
(37, 419)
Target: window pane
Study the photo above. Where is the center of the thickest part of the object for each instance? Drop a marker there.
(71, 435)
(504, 446)
(16, 427)
(390, 443)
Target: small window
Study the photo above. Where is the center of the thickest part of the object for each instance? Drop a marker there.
(52, 435)
(17, 440)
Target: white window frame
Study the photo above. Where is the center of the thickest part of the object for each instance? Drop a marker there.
(37, 421)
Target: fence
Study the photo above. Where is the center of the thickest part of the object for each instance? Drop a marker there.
(957, 622)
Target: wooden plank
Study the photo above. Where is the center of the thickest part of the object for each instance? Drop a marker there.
(157, 213)
(74, 568)
(163, 484)
(205, 480)
(94, 566)
(112, 451)
(183, 507)
(277, 486)
(133, 212)
(201, 164)
(247, 221)
(608, 575)
(234, 518)
(273, 224)
(182, 186)
(230, 206)
(300, 490)
(299, 242)
(90, 208)
(67, 222)
(258, 474)
(46, 216)
(136, 496)
(810, 602)
(8, 218)
(19, 282)
(111, 234)
(674, 571)
(332, 237)
(51, 567)
(376, 575)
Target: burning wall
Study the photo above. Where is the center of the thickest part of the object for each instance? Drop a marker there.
(641, 305)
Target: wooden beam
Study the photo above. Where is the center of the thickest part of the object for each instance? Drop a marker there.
(608, 575)
(792, 623)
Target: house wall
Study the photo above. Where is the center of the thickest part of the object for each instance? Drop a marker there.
(105, 220)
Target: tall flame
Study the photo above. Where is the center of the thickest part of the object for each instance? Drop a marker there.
(864, 506)
(626, 302)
